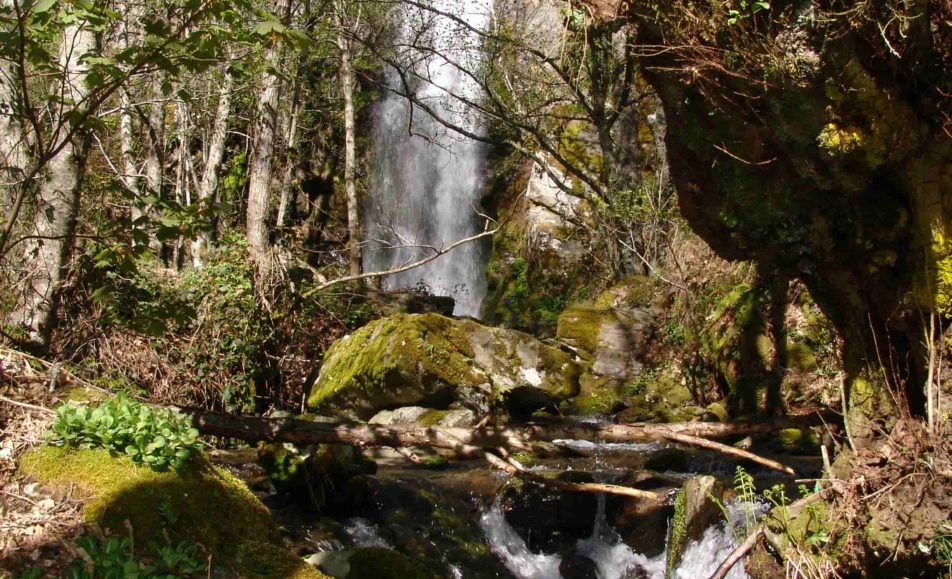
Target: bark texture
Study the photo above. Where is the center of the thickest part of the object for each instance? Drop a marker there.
(350, 146)
(57, 203)
(208, 187)
(259, 171)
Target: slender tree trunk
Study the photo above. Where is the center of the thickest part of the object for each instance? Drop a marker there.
(290, 155)
(259, 171)
(130, 174)
(155, 155)
(213, 158)
(182, 175)
(54, 221)
(13, 158)
(350, 156)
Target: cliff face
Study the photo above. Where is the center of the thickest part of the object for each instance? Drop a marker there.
(818, 143)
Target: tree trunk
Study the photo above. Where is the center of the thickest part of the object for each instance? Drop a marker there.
(130, 173)
(260, 166)
(213, 158)
(54, 222)
(155, 156)
(183, 193)
(290, 156)
(13, 157)
(468, 442)
(350, 147)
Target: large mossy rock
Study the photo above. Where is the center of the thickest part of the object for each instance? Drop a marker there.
(201, 504)
(434, 361)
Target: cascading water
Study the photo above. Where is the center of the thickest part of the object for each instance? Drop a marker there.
(612, 557)
(426, 180)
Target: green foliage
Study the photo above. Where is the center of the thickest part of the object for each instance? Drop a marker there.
(744, 9)
(114, 558)
(158, 437)
(942, 546)
(227, 343)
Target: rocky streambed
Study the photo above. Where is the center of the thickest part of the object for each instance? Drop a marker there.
(462, 519)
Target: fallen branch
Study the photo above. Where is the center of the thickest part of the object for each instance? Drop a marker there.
(739, 553)
(725, 449)
(524, 474)
(465, 442)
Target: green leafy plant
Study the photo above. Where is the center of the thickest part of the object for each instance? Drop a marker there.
(158, 437)
(115, 558)
(744, 9)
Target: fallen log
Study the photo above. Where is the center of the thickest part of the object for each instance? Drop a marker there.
(466, 442)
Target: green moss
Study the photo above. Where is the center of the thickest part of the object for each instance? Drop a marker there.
(791, 438)
(800, 357)
(211, 508)
(581, 324)
(718, 410)
(431, 417)
(433, 461)
(380, 563)
(677, 532)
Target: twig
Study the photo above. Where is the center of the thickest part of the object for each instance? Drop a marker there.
(738, 553)
(745, 161)
(400, 269)
(32, 407)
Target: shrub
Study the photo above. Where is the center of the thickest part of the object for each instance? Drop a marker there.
(158, 437)
(113, 557)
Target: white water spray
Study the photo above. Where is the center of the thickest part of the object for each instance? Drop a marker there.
(426, 180)
(612, 557)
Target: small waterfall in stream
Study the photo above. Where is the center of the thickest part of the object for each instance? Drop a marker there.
(426, 180)
(613, 558)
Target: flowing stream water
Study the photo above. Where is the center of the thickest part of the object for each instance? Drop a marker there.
(426, 180)
(612, 557)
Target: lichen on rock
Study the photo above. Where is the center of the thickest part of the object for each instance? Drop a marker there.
(434, 361)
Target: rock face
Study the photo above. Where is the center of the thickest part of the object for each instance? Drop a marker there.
(435, 361)
(424, 417)
(541, 254)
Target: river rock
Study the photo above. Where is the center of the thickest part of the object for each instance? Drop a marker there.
(420, 416)
(577, 566)
(434, 361)
(695, 509)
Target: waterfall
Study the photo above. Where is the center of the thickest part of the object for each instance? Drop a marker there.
(611, 556)
(426, 180)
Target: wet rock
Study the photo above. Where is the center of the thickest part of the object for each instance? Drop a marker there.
(695, 509)
(577, 566)
(313, 475)
(434, 361)
(550, 521)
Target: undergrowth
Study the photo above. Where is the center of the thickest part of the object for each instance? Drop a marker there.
(158, 437)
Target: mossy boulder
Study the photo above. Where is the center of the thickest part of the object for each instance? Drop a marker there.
(434, 361)
(610, 338)
(370, 563)
(658, 395)
(201, 504)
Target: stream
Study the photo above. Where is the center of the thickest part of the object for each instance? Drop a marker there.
(471, 522)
